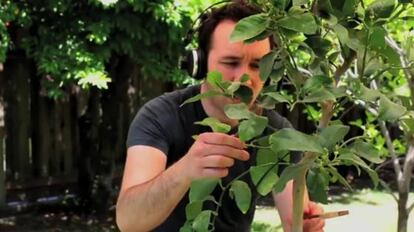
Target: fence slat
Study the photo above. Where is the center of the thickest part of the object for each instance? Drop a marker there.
(2, 175)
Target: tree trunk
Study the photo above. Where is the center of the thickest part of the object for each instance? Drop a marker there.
(89, 145)
(402, 212)
(17, 72)
(404, 180)
(112, 131)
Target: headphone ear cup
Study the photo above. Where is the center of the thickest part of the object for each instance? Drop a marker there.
(195, 64)
(202, 65)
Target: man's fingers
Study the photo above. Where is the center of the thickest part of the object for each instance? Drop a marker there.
(227, 151)
(217, 161)
(215, 172)
(222, 139)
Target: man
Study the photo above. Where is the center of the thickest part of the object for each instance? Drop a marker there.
(163, 159)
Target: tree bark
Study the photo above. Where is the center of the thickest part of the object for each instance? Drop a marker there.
(89, 145)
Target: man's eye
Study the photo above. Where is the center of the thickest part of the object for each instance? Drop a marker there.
(254, 65)
(231, 64)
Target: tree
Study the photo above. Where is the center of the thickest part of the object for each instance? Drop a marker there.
(328, 54)
(59, 52)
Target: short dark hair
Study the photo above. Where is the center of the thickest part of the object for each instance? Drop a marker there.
(234, 10)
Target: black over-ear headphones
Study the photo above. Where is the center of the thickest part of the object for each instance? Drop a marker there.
(195, 61)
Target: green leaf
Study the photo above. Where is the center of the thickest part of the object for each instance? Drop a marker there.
(244, 93)
(390, 55)
(366, 151)
(342, 33)
(408, 125)
(242, 194)
(244, 78)
(381, 8)
(333, 134)
(293, 140)
(338, 176)
(187, 227)
(367, 94)
(289, 173)
(266, 65)
(193, 209)
(198, 97)
(299, 2)
(252, 127)
(237, 111)
(390, 111)
(266, 156)
(354, 159)
(215, 125)
(215, 78)
(377, 38)
(264, 177)
(349, 7)
(278, 97)
(320, 46)
(316, 82)
(201, 189)
(317, 184)
(202, 221)
(299, 22)
(250, 27)
(319, 95)
(233, 87)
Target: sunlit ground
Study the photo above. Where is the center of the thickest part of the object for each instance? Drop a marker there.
(369, 211)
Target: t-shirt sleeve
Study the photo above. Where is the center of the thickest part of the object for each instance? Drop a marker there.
(151, 125)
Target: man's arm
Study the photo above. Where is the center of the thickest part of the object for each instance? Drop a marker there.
(284, 204)
(147, 182)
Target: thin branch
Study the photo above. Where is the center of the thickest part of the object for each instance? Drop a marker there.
(344, 67)
(386, 163)
(410, 208)
(404, 63)
(396, 48)
(385, 185)
(390, 146)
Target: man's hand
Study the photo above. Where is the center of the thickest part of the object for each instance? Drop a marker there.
(314, 224)
(212, 154)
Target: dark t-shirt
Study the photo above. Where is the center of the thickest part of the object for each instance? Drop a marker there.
(163, 124)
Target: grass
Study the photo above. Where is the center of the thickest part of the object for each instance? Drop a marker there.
(369, 210)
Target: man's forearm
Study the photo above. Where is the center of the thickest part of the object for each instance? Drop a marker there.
(145, 206)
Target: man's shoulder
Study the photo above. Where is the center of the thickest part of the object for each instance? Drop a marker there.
(174, 98)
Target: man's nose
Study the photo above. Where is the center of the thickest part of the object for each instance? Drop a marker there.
(242, 72)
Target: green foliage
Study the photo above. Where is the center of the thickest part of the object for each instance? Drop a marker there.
(71, 45)
(329, 53)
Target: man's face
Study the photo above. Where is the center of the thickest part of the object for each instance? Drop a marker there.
(235, 59)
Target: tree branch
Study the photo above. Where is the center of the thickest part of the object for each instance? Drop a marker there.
(408, 167)
(391, 149)
(344, 67)
(404, 63)
(410, 208)
(385, 185)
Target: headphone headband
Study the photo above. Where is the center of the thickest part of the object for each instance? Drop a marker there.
(195, 62)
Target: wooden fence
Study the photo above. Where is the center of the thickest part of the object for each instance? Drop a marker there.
(79, 140)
